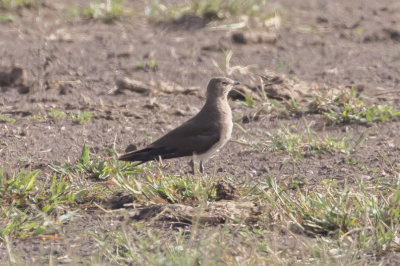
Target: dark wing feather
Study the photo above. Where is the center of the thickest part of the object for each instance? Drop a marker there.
(144, 155)
(189, 138)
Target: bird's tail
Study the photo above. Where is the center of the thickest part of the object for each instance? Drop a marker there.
(136, 156)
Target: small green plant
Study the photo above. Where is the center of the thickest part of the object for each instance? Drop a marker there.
(6, 119)
(249, 100)
(139, 65)
(18, 187)
(6, 18)
(152, 63)
(359, 31)
(36, 117)
(282, 66)
(82, 117)
(107, 11)
(56, 114)
(59, 193)
(147, 66)
(157, 11)
(286, 140)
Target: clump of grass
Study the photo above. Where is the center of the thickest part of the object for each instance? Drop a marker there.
(166, 188)
(249, 100)
(26, 204)
(275, 107)
(80, 118)
(96, 167)
(145, 245)
(36, 117)
(8, 6)
(160, 187)
(222, 9)
(6, 119)
(297, 145)
(367, 216)
(107, 11)
(54, 114)
(348, 224)
(157, 11)
(169, 188)
(12, 4)
(358, 31)
(286, 140)
(18, 187)
(31, 208)
(349, 108)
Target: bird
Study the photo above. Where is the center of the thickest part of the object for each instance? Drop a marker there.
(201, 136)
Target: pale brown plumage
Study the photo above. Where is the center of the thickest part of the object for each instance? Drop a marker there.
(202, 135)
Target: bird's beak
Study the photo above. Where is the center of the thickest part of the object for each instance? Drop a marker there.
(236, 83)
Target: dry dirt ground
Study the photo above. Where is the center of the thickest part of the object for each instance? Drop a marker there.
(80, 66)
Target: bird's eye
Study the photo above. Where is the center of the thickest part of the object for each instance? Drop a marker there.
(224, 83)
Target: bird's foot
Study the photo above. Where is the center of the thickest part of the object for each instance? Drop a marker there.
(201, 167)
(192, 166)
(196, 169)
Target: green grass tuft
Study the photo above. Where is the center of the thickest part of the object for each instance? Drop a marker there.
(169, 188)
(99, 10)
(12, 4)
(28, 208)
(96, 167)
(349, 108)
(6, 119)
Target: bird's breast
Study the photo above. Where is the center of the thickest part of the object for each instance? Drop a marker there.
(225, 130)
(226, 123)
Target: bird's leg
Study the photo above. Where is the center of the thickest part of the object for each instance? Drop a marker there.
(192, 165)
(201, 167)
(196, 164)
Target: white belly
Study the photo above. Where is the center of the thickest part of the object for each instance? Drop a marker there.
(217, 146)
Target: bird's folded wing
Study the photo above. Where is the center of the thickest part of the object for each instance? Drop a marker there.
(188, 139)
(197, 135)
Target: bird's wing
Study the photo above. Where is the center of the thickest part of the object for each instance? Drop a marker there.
(191, 137)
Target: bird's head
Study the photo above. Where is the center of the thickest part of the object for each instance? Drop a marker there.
(220, 87)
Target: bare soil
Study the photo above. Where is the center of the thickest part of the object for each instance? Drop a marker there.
(75, 66)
